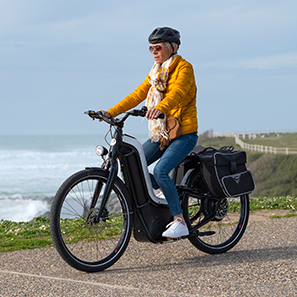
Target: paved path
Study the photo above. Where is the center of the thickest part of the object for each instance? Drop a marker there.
(264, 263)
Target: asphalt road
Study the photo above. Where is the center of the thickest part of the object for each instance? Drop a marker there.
(264, 263)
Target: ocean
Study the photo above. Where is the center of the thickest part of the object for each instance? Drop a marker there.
(32, 168)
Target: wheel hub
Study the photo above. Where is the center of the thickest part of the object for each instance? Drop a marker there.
(219, 207)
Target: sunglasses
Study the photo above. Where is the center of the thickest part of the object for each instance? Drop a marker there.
(158, 48)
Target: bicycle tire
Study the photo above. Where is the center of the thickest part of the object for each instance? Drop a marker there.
(82, 243)
(226, 228)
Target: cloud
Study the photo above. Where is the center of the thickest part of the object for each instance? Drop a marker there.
(285, 60)
(278, 61)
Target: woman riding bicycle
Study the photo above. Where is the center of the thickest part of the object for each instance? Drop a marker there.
(169, 88)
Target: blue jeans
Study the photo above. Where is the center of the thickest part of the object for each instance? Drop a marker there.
(168, 159)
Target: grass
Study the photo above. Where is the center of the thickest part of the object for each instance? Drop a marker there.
(24, 235)
(288, 202)
(284, 140)
(217, 142)
(289, 215)
(36, 234)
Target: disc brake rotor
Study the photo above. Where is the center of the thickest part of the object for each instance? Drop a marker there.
(92, 225)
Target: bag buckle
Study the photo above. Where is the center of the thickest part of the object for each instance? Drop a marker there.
(233, 166)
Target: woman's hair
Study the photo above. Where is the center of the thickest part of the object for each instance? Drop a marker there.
(171, 45)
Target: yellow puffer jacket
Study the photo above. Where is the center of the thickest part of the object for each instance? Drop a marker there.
(181, 89)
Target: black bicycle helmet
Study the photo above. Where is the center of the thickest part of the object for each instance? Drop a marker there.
(164, 34)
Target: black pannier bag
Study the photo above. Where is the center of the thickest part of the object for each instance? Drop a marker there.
(225, 172)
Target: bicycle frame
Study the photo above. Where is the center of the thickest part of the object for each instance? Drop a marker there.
(151, 214)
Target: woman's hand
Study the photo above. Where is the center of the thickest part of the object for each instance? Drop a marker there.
(106, 114)
(152, 114)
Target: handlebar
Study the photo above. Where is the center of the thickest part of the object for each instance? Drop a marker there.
(119, 122)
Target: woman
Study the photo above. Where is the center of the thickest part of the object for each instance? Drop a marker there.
(169, 88)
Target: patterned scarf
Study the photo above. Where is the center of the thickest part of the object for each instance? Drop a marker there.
(158, 79)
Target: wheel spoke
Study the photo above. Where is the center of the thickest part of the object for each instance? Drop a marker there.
(230, 217)
(82, 241)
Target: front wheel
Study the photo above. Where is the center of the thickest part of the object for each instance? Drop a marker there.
(229, 220)
(81, 241)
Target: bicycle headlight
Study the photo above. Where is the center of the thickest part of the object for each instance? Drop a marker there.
(101, 150)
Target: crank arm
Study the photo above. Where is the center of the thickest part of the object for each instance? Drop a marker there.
(202, 223)
(193, 192)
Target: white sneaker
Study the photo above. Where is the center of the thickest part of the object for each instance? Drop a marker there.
(159, 194)
(176, 229)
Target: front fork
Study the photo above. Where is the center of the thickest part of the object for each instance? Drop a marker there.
(112, 166)
(110, 181)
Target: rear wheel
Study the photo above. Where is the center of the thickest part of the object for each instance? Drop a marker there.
(228, 223)
(81, 241)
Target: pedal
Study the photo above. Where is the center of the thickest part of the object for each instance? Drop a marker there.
(200, 234)
(178, 238)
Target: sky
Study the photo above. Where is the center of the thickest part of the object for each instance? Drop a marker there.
(61, 58)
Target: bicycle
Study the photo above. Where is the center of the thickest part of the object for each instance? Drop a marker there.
(95, 210)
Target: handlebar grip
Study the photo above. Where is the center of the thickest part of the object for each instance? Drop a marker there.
(142, 112)
(94, 114)
(138, 112)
